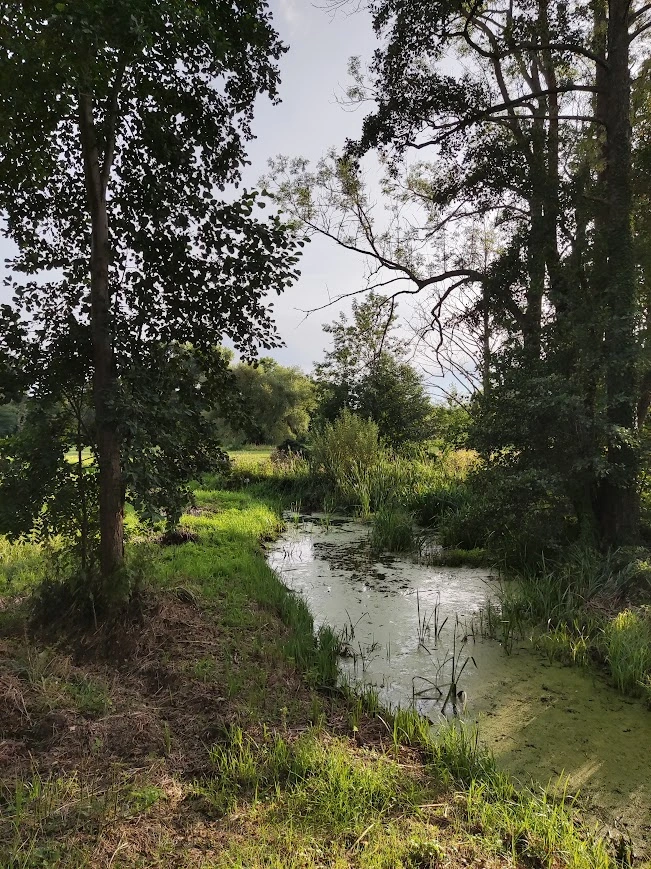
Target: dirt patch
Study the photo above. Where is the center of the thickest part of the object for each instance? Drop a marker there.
(165, 683)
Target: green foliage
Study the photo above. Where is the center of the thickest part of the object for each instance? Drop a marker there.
(570, 644)
(346, 452)
(556, 592)
(365, 372)
(392, 530)
(518, 516)
(433, 504)
(22, 566)
(277, 403)
(41, 492)
(168, 438)
(128, 253)
(628, 650)
(451, 423)
(323, 783)
(49, 479)
(9, 418)
(90, 698)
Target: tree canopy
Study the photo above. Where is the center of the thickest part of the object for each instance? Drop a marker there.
(276, 404)
(526, 120)
(366, 371)
(121, 126)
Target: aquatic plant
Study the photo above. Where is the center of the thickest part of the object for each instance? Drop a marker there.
(628, 649)
(392, 530)
(424, 622)
(567, 643)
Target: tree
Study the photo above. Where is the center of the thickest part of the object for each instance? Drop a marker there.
(277, 403)
(365, 371)
(526, 110)
(9, 416)
(121, 125)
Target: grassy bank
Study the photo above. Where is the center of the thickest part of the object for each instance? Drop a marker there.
(586, 610)
(203, 729)
(579, 607)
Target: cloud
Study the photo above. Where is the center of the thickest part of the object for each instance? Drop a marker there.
(291, 11)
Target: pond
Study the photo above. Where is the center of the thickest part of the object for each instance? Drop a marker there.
(412, 629)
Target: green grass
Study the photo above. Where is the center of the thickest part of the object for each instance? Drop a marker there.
(225, 565)
(392, 530)
(628, 650)
(251, 454)
(22, 566)
(462, 558)
(72, 456)
(570, 610)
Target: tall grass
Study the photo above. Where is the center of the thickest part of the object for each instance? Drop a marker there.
(557, 592)
(22, 565)
(566, 600)
(628, 650)
(392, 530)
(367, 477)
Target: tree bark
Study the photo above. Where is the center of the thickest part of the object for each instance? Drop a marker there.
(111, 497)
(619, 497)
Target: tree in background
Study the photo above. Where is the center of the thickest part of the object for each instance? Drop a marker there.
(276, 404)
(366, 372)
(9, 417)
(121, 124)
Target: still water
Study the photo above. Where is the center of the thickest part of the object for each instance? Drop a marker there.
(409, 627)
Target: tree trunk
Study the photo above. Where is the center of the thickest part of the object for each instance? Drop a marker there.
(619, 497)
(111, 498)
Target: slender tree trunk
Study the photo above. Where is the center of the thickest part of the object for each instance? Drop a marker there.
(111, 499)
(619, 497)
(486, 344)
(537, 246)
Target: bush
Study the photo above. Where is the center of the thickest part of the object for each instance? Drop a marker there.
(344, 447)
(518, 516)
(433, 504)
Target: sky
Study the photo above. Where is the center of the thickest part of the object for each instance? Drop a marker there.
(307, 123)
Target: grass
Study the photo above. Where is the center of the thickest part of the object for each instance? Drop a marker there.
(460, 558)
(22, 566)
(628, 650)
(575, 614)
(392, 530)
(206, 730)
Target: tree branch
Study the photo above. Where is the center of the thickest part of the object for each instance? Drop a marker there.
(112, 121)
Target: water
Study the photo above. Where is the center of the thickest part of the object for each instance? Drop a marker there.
(542, 721)
(402, 622)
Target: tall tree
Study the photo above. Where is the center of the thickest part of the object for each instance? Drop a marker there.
(526, 109)
(122, 122)
(277, 403)
(366, 372)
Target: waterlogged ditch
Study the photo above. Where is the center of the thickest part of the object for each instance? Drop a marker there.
(417, 633)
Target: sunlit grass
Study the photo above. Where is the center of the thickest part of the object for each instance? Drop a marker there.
(628, 650)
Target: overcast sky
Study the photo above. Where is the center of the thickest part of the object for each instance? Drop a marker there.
(307, 122)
